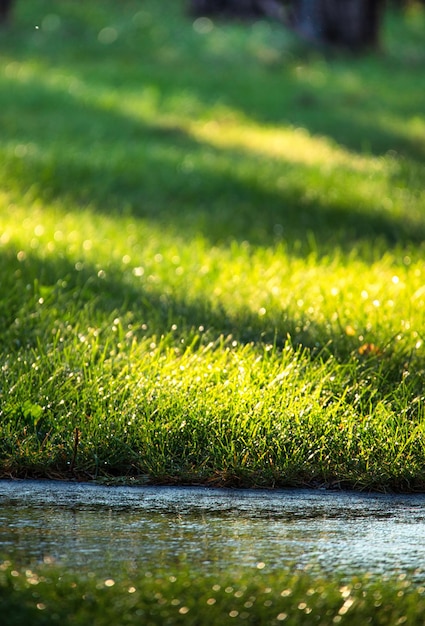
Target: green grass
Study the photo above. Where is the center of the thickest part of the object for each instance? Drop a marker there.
(50, 595)
(211, 251)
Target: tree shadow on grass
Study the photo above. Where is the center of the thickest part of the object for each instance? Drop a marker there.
(80, 154)
(52, 298)
(41, 290)
(370, 97)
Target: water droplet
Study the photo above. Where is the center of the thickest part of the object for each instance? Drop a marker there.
(203, 25)
(107, 35)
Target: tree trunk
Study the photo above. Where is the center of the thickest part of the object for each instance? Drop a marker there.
(350, 23)
(5, 9)
(235, 8)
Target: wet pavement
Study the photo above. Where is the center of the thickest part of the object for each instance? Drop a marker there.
(97, 527)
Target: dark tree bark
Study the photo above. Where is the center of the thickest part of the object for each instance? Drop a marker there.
(350, 23)
(5, 10)
(235, 8)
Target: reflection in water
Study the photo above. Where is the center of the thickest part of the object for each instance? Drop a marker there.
(97, 527)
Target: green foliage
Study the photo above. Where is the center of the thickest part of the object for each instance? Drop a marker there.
(50, 595)
(211, 250)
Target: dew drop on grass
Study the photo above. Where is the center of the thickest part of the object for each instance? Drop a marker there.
(184, 610)
(203, 25)
(107, 35)
(4, 238)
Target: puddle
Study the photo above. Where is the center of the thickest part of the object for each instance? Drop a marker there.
(99, 528)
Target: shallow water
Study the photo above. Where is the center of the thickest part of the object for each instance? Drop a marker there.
(97, 527)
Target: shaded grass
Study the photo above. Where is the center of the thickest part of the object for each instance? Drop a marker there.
(49, 595)
(212, 252)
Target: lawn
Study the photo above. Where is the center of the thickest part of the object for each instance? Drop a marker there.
(212, 250)
(47, 595)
